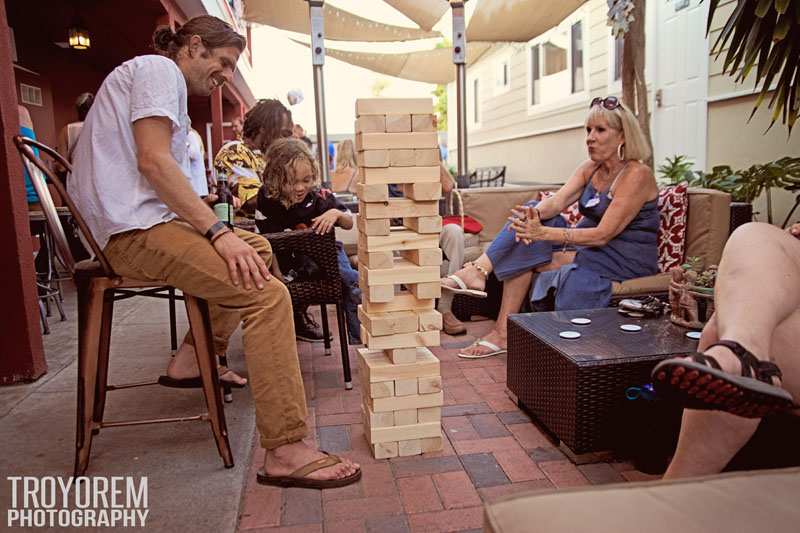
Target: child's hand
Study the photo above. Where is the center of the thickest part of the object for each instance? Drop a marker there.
(325, 222)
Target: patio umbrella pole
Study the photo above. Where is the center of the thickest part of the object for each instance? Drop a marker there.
(460, 60)
(318, 60)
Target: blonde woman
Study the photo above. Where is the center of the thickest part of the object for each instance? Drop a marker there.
(344, 177)
(615, 240)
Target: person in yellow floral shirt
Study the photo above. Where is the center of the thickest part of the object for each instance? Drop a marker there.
(241, 161)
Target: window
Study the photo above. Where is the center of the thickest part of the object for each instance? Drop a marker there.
(617, 67)
(557, 62)
(502, 72)
(576, 40)
(30, 94)
(475, 99)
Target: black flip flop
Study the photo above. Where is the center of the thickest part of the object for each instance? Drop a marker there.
(195, 382)
(299, 479)
(700, 383)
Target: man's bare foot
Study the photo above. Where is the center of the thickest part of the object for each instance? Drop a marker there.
(471, 277)
(286, 459)
(184, 366)
(478, 350)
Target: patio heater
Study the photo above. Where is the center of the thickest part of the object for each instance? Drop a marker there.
(460, 61)
(318, 61)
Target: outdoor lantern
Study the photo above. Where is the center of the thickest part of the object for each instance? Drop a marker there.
(79, 37)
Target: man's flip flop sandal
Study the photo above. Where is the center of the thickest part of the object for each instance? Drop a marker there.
(298, 478)
(496, 350)
(462, 288)
(197, 382)
(700, 383)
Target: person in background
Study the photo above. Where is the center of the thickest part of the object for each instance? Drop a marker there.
(129, 183)
(26, 130)
(242, 161)
(290, 199)
(237, 127)
(343, 178)
(68, 135)
(331, 156)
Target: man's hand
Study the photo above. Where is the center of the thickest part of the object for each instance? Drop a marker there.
(242, 258)
(325, 222)
(794, 230)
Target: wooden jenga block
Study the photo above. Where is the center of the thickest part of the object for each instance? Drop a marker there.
(375, 193)
(375, 260)
(431, 444)
(378, 293)
(402, 158)
(421, 123)
(421, 191)
(396, 174)
(389, 323)
(371, 124)
(428, 414)
(403, 271)
(405, 417)
(379, 141)
(400, 356)
(399, 340)
(405, 387)
(425, 257)
(375, 226)
(402, 301)
(426, 157)
(398, 123)
(425, 290)
(430, 320)
(380, 420)
(382, 389)
(384, 106)
(397, 208)
(410, 447)
(397, 240)
(375, 366)
(398, 433)
(384, 450)
(432, 224)
(429, 385)
(373, 158)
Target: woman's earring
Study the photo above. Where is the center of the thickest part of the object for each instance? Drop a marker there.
(621, 151)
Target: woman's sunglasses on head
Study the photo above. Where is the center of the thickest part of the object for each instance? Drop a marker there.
(609, 102)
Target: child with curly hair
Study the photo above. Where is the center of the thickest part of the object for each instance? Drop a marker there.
(290, 198)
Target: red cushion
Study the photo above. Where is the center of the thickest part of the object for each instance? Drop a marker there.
(673, 205)
(571, 214)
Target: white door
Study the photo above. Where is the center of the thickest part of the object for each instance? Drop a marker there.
(680, 111)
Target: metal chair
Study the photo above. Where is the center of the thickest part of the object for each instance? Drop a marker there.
(96, 283)
(488, 177)
(326, 290)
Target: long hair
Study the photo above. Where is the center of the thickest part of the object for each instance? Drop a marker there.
(621, 119)
(267, 116)
(279, 175)
(214, 33)
(346, 154)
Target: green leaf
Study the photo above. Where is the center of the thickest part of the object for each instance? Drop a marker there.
(782, 28)
(763, 8)
(782, 5)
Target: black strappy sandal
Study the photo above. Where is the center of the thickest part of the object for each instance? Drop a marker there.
(700, 383)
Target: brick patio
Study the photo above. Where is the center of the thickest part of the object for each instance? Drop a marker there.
(491, 449)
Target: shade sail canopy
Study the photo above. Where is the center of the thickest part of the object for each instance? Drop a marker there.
(340, 25)
(517, 20)
(428, 66)
(426, 13)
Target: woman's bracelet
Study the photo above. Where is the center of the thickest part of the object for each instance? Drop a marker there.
(567, 239)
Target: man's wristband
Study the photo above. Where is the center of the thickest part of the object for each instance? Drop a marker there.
(215, 228)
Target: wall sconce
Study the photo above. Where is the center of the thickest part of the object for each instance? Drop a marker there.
(79, 38)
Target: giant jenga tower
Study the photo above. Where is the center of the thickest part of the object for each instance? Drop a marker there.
(401, 382)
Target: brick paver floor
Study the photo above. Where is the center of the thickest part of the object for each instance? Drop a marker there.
(491, 449)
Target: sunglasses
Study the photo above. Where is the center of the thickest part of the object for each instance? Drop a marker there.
(609, 102)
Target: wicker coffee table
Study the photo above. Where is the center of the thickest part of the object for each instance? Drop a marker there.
(575, 387)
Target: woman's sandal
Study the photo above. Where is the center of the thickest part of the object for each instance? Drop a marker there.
(495, 350)
(197, 382)
(461, 287)
(700, 383)
(299, 478)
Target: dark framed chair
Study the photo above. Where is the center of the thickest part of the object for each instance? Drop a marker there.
(97, 283)
(488, 177)
(326, 290)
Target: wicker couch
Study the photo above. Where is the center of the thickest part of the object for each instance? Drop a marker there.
(707, 231)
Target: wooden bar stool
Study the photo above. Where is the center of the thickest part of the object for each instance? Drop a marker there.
(96, 283)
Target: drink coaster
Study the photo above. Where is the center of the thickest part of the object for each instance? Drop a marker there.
(581, 321)
(695, 335)
(569, 334)
(630, 327)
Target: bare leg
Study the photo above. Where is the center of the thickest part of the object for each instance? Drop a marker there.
(758, 305)
(184, 365)
(471, 276)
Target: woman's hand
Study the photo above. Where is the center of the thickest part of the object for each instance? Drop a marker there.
(325, 222)
(794, 230)
(527, 225)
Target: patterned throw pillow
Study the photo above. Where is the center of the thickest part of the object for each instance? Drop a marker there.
(571, 214)
(673, 206)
